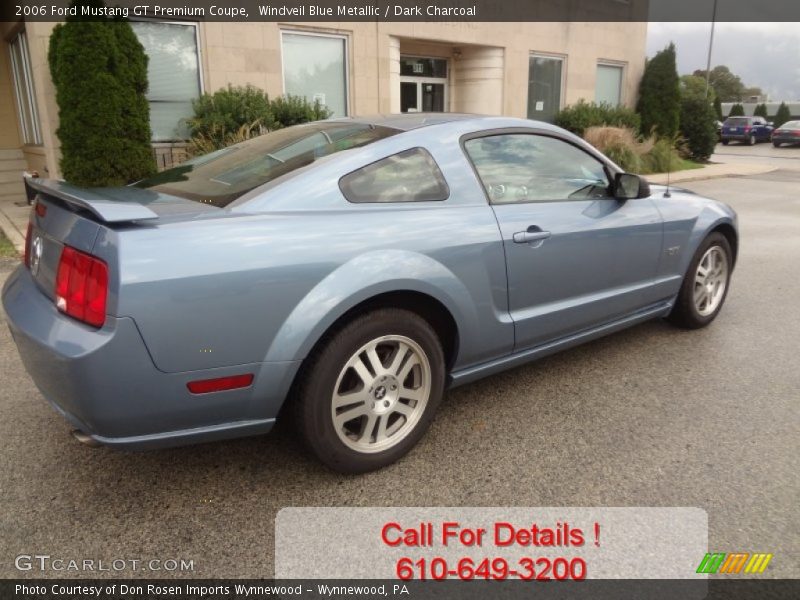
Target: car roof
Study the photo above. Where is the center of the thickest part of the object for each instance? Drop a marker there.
(409, 121)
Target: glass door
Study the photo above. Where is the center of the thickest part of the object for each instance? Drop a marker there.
(409, 96)
(432, 97)
(420, 94)
(423, 84)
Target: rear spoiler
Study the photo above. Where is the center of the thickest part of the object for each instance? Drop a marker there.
(110, 211)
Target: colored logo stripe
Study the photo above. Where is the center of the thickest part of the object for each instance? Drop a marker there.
(711, 563)
(733, 563)
(758, 562)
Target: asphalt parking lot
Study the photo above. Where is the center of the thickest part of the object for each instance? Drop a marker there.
(653, 416)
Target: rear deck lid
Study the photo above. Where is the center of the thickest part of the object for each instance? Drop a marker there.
(64, 214)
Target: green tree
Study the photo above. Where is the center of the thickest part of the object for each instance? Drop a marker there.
(718, 108)
(693, 86)
(760, 111)
(729, 87)
(99, 71)
(782, 116)
(131, 71)
(659, 95)
(737, 110)
(698, 127)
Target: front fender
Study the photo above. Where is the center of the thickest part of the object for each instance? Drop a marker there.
(365, 277)
(710, 218)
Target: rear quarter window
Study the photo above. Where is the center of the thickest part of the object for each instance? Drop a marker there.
(410, 176)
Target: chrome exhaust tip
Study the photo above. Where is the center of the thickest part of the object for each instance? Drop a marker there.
(85, 438)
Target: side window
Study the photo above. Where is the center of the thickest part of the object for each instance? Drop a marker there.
(522, 167)
(410, 176)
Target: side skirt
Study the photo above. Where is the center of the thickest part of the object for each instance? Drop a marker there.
(476, 372)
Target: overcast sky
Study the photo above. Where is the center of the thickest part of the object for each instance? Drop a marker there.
(766, 55)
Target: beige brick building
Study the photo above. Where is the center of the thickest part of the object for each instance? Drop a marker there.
(519, 69)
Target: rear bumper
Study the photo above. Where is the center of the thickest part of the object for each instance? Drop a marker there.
(786, 139)
(105, 383)
(741, 137)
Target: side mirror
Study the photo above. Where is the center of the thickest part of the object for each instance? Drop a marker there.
(628, 186)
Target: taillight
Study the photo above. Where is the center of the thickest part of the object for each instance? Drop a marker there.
(220, 384)
(27, 256)
(82, 286)
(747, 129)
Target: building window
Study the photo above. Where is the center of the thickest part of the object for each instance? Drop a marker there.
(315, 68)
(24, 90)
(173, 73)
(423, 67)
(545, 79)
(608, 88)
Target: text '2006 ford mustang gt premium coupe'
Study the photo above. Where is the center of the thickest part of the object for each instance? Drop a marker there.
(346, 271)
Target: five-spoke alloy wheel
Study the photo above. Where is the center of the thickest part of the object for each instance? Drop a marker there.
(705, 284)
(710, 281)
(381, 393)
(369, 391)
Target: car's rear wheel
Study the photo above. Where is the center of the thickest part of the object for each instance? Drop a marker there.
(705, 285)
(370, 391)
(776, 144)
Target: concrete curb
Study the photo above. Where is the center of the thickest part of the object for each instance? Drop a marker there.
(714, 171)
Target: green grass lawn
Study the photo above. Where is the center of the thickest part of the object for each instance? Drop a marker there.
(7, 249)
(690, 164)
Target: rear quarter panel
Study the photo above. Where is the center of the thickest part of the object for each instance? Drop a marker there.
(264, 281)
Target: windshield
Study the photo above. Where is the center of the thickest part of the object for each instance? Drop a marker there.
(222, 176)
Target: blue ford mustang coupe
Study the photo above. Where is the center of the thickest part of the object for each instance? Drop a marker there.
(346, 272)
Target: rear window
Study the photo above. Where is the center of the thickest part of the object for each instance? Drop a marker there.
(410, 176)
(221, 177)
(737, 121)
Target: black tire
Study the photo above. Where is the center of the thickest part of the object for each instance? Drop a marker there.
(725, 142)
(685, 313)
(751, 141)
(314, 393)
(776, 144)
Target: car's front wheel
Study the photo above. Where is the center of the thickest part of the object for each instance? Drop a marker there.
(776, 144)
(705, 284)
(725, 142)
(751, 141)
(370, 390)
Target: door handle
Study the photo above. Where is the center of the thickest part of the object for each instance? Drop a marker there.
(533, 234)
